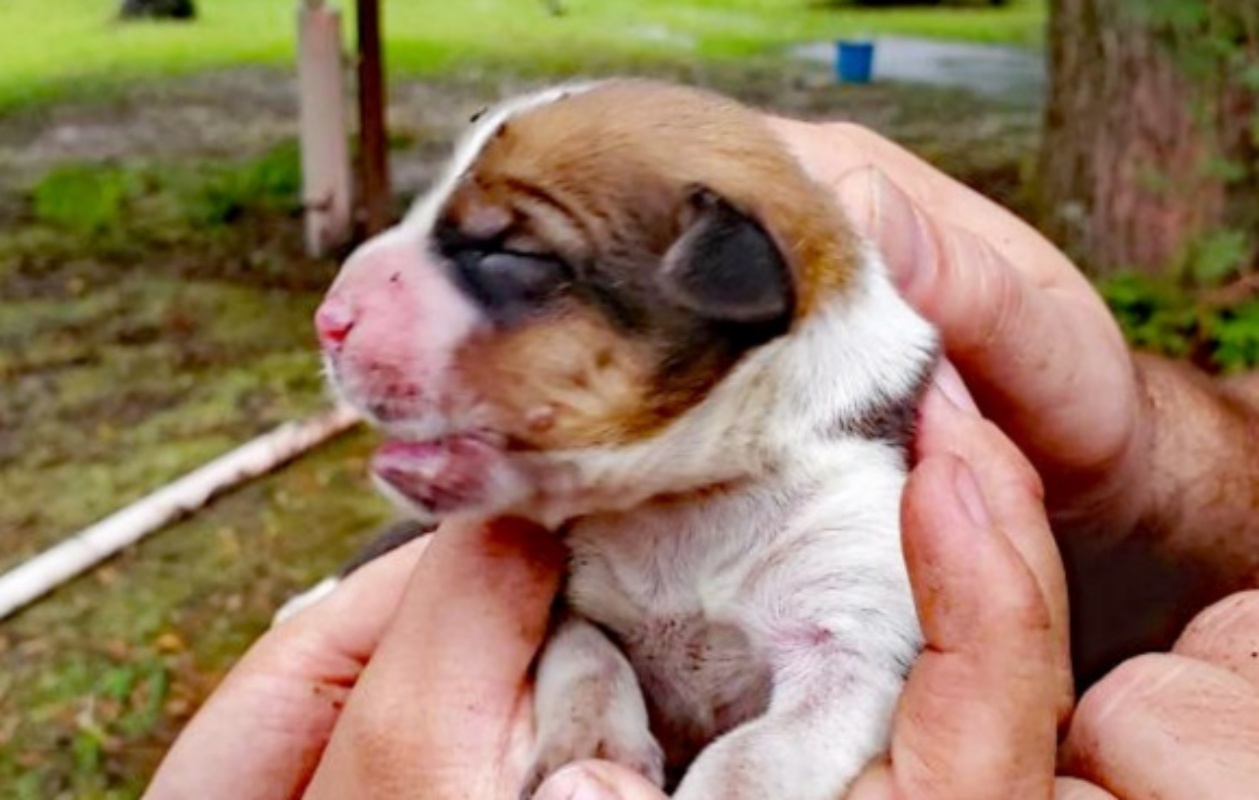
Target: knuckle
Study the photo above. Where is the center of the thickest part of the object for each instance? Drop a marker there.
(1127, 692)
(994, 444)
(1225, 631)
(989, 297)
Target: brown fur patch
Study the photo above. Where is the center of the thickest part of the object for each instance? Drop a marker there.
(624, 155)
(602, 180)
(565, 381)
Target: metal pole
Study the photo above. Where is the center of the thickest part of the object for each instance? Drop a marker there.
(373, 146)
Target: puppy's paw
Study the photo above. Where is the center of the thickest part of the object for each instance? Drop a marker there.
(630, 746)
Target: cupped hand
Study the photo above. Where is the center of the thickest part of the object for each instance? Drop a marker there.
(1148, 465)
(1036, 345)
(410, 680)
(1182, 725)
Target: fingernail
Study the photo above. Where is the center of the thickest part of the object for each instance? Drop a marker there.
(970, 495)
(883, 212)
(573, 783)
(950, 384)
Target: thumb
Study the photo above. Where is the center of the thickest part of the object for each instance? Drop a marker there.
(597, 780)
(957, 279)
(988, 306)
(993, 671)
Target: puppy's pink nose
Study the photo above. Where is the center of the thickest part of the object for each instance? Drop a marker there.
(333, 322)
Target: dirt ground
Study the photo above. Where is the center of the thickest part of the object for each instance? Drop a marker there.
(132, 354)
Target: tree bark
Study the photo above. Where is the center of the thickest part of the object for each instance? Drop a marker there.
(1125, 171)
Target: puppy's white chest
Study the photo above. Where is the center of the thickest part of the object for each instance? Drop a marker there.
(671, 584)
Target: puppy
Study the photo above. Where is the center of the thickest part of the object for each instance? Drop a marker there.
(627, 313)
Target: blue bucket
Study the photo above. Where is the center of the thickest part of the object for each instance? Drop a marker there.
(854, 61)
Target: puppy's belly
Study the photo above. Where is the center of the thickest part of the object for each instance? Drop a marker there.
(672, 596)
(701, 677)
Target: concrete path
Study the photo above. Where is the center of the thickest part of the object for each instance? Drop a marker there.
(991, 70)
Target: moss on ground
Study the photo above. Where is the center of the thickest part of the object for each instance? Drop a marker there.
(168, 327)
(104, 672)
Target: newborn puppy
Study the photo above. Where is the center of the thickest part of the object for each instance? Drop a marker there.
(627, 313)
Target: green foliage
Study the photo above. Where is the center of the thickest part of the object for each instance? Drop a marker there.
(1165, 317)
(1205, 36)
(1153, 314)
(112, 208)
(94, 52)
(81, 199)
(1235, 334)
(272, 182)
(1210, 259)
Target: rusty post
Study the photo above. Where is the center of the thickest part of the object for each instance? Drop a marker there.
(373, 146)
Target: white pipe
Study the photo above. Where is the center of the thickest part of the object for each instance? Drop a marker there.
(61, 562)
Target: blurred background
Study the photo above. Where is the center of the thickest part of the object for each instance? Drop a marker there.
(160, 258)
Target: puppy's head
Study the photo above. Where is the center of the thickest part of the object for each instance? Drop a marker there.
(595, 263)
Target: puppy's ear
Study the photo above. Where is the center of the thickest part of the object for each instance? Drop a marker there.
(725, 266)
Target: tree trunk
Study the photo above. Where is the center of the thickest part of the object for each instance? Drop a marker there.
(1128, 172)
(157, 9)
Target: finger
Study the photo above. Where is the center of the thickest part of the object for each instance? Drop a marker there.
(597, 780)
(1226, 635)
(1013, 489)
(454, 665)
(287, 691)
(981, 679)
(991, 284)
(1072, 789)
(1170, 727)
(987, 311)
(837, 151)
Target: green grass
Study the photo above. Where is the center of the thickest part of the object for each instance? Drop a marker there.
(57, 46)
(152, 316)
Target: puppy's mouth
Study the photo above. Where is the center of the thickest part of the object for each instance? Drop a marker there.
(439, 474)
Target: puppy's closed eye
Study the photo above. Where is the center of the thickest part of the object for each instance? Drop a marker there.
(510, 284)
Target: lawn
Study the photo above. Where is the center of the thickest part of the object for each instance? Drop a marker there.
(61, 44)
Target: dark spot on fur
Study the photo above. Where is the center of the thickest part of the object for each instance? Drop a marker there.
(889, 418)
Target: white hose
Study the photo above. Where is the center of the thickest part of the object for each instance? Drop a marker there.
(58, 564)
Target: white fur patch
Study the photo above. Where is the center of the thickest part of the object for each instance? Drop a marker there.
(423, 214)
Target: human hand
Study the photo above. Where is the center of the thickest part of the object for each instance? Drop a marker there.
(1037, 347)
(1182, 725)
(1148, 464)
(444, 704)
